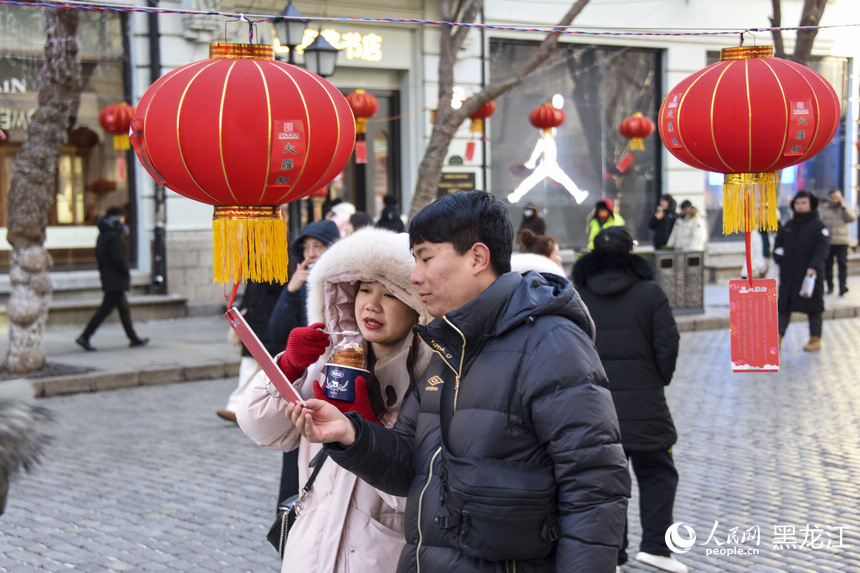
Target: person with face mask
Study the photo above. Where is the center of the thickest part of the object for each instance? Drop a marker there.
(532, 220)
(603, 216)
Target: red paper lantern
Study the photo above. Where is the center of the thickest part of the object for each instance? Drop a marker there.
(477, 126)
(546, 117)
(116, 119)
(364, 106)
(748, 116)
(246, 134)
(636, 128)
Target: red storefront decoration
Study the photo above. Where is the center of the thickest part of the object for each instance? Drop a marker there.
(477, 126)
(748, 116)
(636, 128)
(116, 119)
(546, 117)
(246, 134)
(364, 106)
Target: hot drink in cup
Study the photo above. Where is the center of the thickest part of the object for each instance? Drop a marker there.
(347, 363)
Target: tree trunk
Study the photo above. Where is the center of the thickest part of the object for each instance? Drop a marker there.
(811, 16)
(32, 191)
(448, 120)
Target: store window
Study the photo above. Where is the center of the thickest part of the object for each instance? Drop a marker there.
(91, 175)
(597, 87)
(818, 175)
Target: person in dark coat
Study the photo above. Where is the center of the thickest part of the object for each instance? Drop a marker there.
(508, 451)
(257, 304)
(115, 278)
(663, 220)
(532, 220)
(637, 340)
(390, 216)
(800, 249)
(291, 312)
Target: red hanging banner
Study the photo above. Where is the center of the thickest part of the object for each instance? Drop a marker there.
(754, 327)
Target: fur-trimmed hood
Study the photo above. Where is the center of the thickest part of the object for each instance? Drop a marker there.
(369, 254)
(523, 262)
(607, 273)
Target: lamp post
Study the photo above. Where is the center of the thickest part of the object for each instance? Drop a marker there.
(321, 59)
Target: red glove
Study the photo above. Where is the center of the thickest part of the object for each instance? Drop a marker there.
(305, 345)
(361, 404)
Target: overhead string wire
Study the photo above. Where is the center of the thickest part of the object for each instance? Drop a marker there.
(548, 29)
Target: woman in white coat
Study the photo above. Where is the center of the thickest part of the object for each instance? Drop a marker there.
(360, 283)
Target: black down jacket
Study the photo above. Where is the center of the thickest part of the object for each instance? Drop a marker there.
(801, 244)
(110, 255)
(637, 340)
(531, 393)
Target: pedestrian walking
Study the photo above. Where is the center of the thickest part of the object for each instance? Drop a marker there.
(258, 302)
(115, 279)
(637, 340)
(532, 220)
(836, 214)
(662, 221)
(603, 216)
(361, 283)
(800, 248)
(690, 232)
(291, 312)
(508, 451)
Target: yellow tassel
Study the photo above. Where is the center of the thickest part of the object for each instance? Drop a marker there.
(250, 244)
(637, 144)
(120, 141)
(749, 202)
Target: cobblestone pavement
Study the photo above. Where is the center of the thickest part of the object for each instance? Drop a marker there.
(149, 479)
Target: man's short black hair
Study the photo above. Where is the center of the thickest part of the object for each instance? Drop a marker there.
(463, 219)
(686, 203)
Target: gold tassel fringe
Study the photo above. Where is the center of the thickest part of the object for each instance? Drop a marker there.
(120, 141)
(636, 144)
(749, 202)
(250, 244)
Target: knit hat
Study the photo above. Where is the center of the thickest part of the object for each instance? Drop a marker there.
(613, 240)
(324, 231)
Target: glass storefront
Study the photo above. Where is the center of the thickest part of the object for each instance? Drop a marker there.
(91, 175)
(597, 87)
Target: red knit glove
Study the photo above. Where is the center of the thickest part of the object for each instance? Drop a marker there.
(361, 404)
(305, 345)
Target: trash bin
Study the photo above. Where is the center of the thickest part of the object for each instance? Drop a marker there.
(682, 276)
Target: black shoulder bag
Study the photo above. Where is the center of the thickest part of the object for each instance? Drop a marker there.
(289, 509)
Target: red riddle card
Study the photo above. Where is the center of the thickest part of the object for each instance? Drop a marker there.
(754, 327)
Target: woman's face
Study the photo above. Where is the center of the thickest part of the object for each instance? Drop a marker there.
(382, 318)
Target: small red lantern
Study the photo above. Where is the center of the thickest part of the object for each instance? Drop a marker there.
(546, 117)
(748, 116)
(246, 134)
(636, 128)
(364, 106)
(116, 119)
(477, 126)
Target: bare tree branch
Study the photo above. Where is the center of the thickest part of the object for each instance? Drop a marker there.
(776, 22)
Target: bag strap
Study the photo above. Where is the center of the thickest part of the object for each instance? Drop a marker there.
(316, 463)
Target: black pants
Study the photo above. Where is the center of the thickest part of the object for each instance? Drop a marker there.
(289, 475)
(816, 321)
(112, 300)
(657, 479)
(840, 253)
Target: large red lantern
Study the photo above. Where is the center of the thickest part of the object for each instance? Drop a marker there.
(246, 134)
(116, 119)
(748, 116)
(546, 117)
(636, 128)
(364, 106)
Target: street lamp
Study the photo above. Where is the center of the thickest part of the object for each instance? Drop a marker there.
(321, 57)
(291, 28)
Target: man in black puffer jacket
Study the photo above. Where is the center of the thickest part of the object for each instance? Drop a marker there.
(509, 449)
(637, 340)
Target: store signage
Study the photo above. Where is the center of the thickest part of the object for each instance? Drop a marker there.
(354, 45)
(450, 182)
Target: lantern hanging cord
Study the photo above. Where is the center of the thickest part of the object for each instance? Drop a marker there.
(549, 29)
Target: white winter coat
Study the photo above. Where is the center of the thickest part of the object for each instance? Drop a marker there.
(689, 233)
(346, 525)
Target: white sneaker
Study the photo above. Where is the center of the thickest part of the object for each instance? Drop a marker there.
(661, 562)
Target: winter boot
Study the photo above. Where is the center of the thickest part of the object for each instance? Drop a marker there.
(814, 344)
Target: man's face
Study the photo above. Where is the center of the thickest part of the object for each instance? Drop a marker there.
(836, 197)
(802, 205)
(685, 210)
(445, 279)
(312, 249)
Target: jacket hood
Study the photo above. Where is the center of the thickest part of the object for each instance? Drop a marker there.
(813, 200)
(523, 262)
(369, 254)
(110, 223)
(610, 273)
(324, 231)
(605, 203)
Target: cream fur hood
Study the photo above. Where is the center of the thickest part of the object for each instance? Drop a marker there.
(369, 254)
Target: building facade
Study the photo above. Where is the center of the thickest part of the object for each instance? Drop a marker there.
(617, 65)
